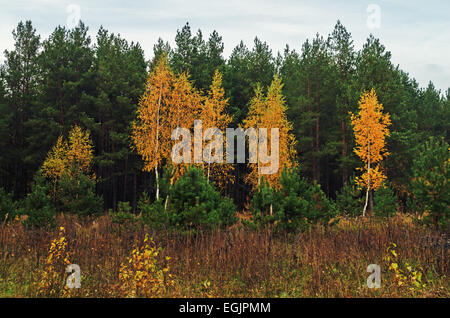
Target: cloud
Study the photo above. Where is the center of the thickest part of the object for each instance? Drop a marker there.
(415, 32)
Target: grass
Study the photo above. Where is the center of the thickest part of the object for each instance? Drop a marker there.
(326, 261)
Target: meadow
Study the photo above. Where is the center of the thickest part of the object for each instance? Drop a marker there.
(325, 261)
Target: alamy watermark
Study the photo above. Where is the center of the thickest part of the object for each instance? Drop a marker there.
(74, 11)
(212, 152)
(74, 279)
(374, 279)
(374, 18)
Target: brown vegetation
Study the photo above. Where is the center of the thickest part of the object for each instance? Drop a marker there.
(323, 262)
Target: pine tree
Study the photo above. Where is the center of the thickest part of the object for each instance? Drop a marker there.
(120, 76)
(66, 79)
(245, 70)
(429, 185)
(20, 76)
(342, 48)
(160, 49)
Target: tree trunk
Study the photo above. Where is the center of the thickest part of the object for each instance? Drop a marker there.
(368, 185)
(157, 182)
(166, 203)
(317, 149)
(157, 143)
(313, 158)
(371, 202)
(344, 152)
(209, 161)
(134, 192)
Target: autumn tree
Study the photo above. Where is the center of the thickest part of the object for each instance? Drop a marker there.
(68, 165)
(149, 135)
(213, 115)
(73, 156)
(184, 107)
(169, 102)
(270, 112)
(370, 126)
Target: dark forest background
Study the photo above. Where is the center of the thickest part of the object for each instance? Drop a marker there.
(48, 85)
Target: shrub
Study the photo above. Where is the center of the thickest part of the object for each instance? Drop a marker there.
(385, 201)
(52, 278)
(37, 204)
(152, 213)
(123, 216)
(194, 202)
(429, 186)
(297, 204)
(141, 275)
(349, 201)
(75, 193)
(8, 207)
(263, 201)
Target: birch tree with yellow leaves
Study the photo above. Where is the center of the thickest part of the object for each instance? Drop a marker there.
(71, 157)
(169, 101)
(270, 112)
(370, 127)
(184, 107)
(75, 153)
(212, 116)
(150, 135)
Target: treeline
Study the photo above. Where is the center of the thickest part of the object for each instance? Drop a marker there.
(49, 86)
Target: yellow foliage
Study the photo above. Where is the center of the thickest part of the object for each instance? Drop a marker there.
(56, 162)
(370, 126)
(52, 281)
(213, 115)
(80, 150)
(405, 275)
(65, 156)
(141, 275)
(184, 108)
(169, 101)
(149, 134)
(270, 112)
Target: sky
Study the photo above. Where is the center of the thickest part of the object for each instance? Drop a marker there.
(416, 32)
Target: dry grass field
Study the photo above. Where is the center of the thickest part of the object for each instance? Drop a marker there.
(327, 261)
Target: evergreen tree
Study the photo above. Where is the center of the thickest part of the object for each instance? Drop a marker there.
(20, 85)
(195, 203)
(342, 49)
(245, 70)
(120, 73)
(429, 187)
(65, 79)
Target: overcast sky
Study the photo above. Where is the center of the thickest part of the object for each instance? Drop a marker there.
(416, 32)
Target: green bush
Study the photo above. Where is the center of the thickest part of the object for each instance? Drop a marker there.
(123, 214)
(194, 202)
(8, 207)
(349, 201)
(385, 201)
(152, 213)
(123, 217)
(75, 193)
(429, 187)
(38, 204)
(297, 204)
